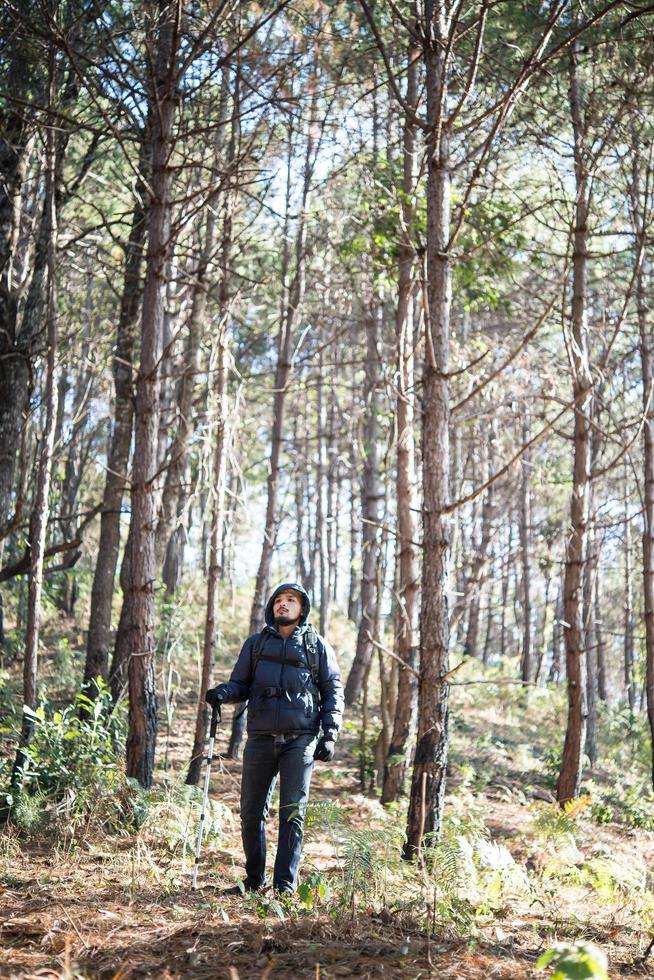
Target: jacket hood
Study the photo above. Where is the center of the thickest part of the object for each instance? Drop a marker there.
(306, 608)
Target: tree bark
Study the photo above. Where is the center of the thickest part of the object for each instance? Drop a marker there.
(406, 618)
(590, 639)
(474, 583)
(140, 637)
(213, 576)
(354, 596)
(429, 770)
(175, 493)
(321, 499)
(598, 604)
(220, 450)
(39, 519)
(98, 643)
(371, 497)
(525, 543)
(569, 781)
(643, 287)
(628, 648)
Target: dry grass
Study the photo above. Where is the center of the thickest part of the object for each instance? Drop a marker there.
(121, 907)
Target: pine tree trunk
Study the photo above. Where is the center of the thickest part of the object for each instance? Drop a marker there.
(14, 368)
(429, 770)
(320, 498)
(406, 618)
(140, 636)
(506, 569)
(525, 542)
(598, 602)
(554, 675)
(629, 679)
(643, 291)
(590, 639)
(40, 512)
(175, 491)
(98, 642)
(571, 765)
(544, 625)
(474, 583)
(490, 617)
(371, 496)
(353, 600)
(217, 511)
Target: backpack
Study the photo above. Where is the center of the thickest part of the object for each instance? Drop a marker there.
(310, 638)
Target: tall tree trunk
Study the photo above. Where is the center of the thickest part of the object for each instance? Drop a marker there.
(320, 498)
(217, 512)
(14, 370)
(628, 649)
(643, 291)
(602, 680)
(554, 675)
(222, 435)
(372, 491)
(333, 488)
(98, 642)
(590, 639)
(140, 635)
(39, 518)
(371, 497)
(571, 764)
(429, 770)
(354, 593)
(506, 575)
(489, 635)
(174, 496)
(474, 583)
(406, 618)
(544, 624)
(525, 544)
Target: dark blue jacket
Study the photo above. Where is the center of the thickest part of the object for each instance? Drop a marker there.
(299, 705)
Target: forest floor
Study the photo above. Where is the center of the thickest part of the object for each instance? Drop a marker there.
(511, 877)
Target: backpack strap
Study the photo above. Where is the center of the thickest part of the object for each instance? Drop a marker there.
(255, 652)
(313, 653)
(310, 638)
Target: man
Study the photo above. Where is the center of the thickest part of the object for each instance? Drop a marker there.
(289, 676)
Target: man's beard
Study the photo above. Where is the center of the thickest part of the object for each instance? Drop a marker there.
(285, 621)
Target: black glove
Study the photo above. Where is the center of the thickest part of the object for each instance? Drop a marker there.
(216, 696)
(325, 749)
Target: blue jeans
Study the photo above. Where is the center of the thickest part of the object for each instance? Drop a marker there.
(263, 759)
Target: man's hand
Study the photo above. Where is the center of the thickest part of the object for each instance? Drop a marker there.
(216, 695)
(325, 749)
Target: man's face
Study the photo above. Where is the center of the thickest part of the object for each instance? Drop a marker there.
(287, 608)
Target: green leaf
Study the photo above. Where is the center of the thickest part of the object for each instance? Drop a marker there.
(305, 895)
(579, 962)
(278, 910)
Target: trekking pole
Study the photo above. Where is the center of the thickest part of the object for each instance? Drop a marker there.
(215, 718)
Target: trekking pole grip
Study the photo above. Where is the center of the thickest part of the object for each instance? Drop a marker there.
(215, 718)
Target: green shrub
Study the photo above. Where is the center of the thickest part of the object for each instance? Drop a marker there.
(575, 962)
(73, 773)
(633, 807)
